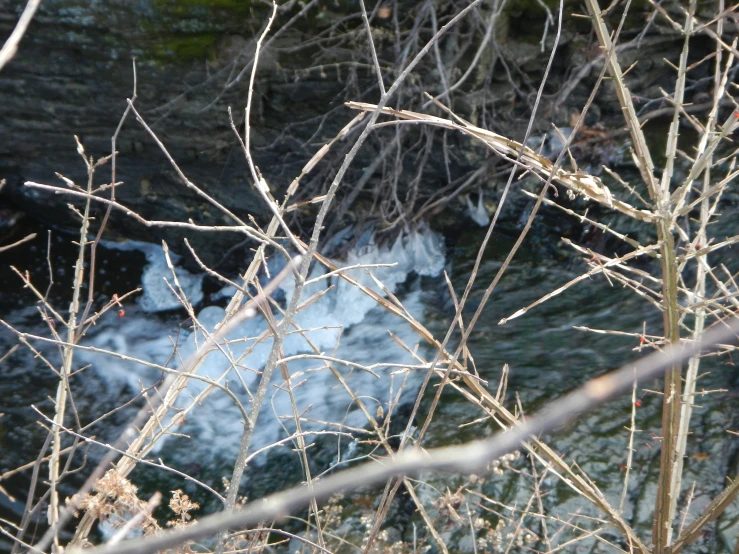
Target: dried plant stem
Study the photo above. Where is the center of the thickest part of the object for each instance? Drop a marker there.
(28, 237)
(709, 514)
(702, 270)
(147, 436)
(695, 299)
(668, 484)
(671, 405)
(299, 435)
(645, 165)
(62, 391)
(579, 183)
(381, 435)
(470, 457)
(669, 475)
(103, 223)
(312, 247)
(629, 450)
(476, 393)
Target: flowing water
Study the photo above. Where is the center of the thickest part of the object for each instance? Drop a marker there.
(546, 356)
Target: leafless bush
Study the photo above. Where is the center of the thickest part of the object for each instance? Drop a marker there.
(698, 301)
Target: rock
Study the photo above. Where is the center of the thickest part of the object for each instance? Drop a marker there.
(188, 66)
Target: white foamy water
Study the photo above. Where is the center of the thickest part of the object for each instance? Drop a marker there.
(344, 323)
(157, 294)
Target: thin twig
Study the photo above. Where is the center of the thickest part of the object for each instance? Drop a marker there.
(470, 457)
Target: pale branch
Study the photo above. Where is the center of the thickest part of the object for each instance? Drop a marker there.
(579, 182)
(466, 458)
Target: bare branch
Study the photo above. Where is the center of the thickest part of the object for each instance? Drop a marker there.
(470, 457)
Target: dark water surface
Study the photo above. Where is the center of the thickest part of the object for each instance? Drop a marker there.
(83, 91)
(546, 356)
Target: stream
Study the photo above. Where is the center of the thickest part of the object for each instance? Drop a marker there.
(188, 54)
(547, 357)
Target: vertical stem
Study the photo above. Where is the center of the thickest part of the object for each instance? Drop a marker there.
(670, 456)
(702, 269)
(672, 393)
(630, 449)
(660, 193)
(645, 163)
(68, 356)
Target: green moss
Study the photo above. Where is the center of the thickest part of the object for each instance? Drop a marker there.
(181, 31)
(184, 48)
